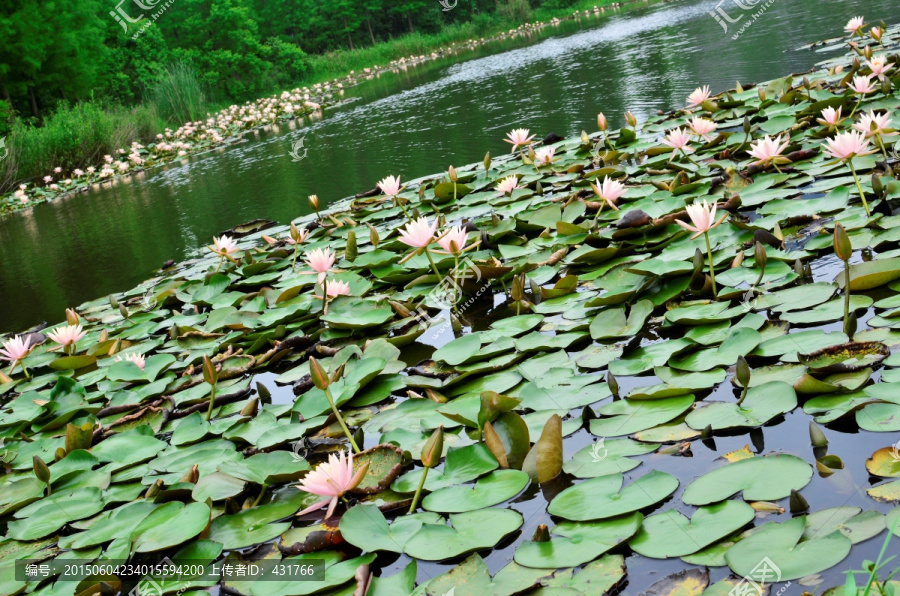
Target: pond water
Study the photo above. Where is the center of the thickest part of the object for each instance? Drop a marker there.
(413, 122)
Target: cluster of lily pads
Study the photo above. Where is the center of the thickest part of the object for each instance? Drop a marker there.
(133, 431)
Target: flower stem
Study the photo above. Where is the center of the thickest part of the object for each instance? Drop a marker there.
(324, 296)
(212, 399)
(712, 269)
(294, 262)
(399, 203)
(415, 502)
(856, 107)
(847, 295)
(340, 420)
(862, 195)
(599, 211)
(880, 142)
(262, 491)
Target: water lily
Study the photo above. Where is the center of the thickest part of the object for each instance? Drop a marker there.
(320, 260)
(331, 479)
(418, 233)
(610, 191)
(338, 288)
(879, 66)
(453, 240)
(15, 350)
(768, 151)
(830, 117)
(876, 33)
(876, 126)
(137, 359)
(390, 186)
(67, 336)
(702, 127)
(508, 185)
(544, 156)
(678, 140)
(698, 96)
(862, 84)
(854, 25)
(845, 146)
(518, 137)
(224, 247)
(703, 218)
(601, 121)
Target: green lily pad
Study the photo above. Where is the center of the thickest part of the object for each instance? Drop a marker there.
(630, 416)
(604, 497)
(762, 404)
(766, 478)
(606, 457)
(578, 542)
(468, 531)
(496, 487)
(671, 534)
(463, 464)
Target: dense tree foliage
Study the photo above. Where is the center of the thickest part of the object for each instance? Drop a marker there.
(71, 51)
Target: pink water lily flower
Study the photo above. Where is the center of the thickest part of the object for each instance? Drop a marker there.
(67, 335)
(223, 246)
(454, 240)
(698, 96)
(854, 25)
(872, 124)
(830, 117)
(702, 127)
(862, 84)
(544, 156)
(302, 234)
(508, 185)
(320, 260)
(518, 137)
(610, 191)
(768, 150)
(418, 233)
(137, 359)
(337, 288)
(879, 66)
(390, 186)
(876, 33)
(331, 479)
(702, 216)
(678, 140)
(15, 349)
(848, 145)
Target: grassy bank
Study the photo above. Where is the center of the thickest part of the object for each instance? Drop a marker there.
(77, 136)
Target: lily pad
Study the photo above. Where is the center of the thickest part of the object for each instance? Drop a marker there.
(604, 497)
(759, 479)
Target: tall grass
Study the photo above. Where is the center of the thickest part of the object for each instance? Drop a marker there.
(178, 95)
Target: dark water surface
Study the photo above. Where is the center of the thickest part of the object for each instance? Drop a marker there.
(412, 123)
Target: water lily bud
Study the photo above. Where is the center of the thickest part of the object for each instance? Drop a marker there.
(767, 507)
(761, 93)
(816, 436)
(487, 160)
(41, 471)
(452, 173)
(601, 121)
(876, 34)
(264, 393)
(630, 119)
(209, 371)
(850, 326)
(72, 317)
(191, 475)
(886, 86)
(295, 233)
(319, 378)
(123, 311)
(747, 126)
(434, 446)
(738, 260)
(314, 202)
(251, 407)
(742, 371)
(113, 302)
(154, 489)
(541, 534)
(798, 503)
(350, 253)
(612, 383)
(842, 247)
(531, 154)
(877, 186)
(856, 64)
(374, 238)
(698, 260)
(59, 454)
(868, 52)
(707, 432)
(798, 268)
(538, 188)
(759, 254)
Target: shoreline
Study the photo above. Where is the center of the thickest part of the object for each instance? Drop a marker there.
(230, 125)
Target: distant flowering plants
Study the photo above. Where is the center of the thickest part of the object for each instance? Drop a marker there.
(703, 219)
(15, 350)
(519, 137)
(67, 336)
(508, 185)
(844, 147)
(544, 156)
(698, 96)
